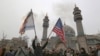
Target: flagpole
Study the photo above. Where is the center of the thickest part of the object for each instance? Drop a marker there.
(52, 30)
(33, 23)
(50, 34)
(64, 36)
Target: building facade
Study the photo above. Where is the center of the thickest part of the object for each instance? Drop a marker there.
(72, 41)
(14, 43)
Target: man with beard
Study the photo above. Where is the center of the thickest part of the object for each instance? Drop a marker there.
(38, 49)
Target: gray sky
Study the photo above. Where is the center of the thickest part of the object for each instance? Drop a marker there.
(13, 11)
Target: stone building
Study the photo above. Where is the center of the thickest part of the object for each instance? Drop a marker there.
(15, 42)
(55, 41)
(72, 41)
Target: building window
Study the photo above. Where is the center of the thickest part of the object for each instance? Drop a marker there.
(90, 41)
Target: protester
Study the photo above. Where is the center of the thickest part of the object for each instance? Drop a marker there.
(68, 52)
(97, 52)
(54, 52)
(72, 52)
(10, 53)
(76, 53)
(2, 51)
(50, 53)
(30, 52)
(46, 52)
(92, 51)
(83, 52)
(61, 52)
(38, 50)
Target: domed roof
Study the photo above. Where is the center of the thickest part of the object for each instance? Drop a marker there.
(69, 31)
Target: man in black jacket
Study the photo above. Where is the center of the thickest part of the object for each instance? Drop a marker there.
(38, 49)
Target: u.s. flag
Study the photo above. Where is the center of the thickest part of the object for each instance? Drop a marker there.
(58, 29)
(28, 23)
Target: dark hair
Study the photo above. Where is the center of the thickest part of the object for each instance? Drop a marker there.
(26, 46)
(83, 50)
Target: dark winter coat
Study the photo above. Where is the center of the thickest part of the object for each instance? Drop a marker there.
(83, 54)
(9, 54)
(38, 50)
(95, 53)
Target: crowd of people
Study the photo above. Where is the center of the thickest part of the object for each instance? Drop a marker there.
(42, 51)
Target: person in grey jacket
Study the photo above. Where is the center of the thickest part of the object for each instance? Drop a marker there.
(38, 49)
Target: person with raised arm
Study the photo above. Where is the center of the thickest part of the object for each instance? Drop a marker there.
(38, 50)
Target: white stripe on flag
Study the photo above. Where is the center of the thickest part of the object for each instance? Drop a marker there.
(28, 23)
